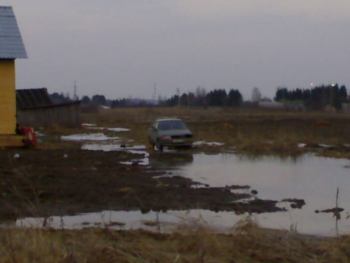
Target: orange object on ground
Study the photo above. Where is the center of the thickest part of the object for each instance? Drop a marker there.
(29, 136)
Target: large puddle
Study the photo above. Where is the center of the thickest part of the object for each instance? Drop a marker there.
(312, 178)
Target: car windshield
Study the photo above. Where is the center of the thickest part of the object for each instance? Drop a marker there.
(171, 125)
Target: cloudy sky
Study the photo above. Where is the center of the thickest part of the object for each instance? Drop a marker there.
(123, 48)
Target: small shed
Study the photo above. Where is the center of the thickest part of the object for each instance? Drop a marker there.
(11, 48)
(35, 109)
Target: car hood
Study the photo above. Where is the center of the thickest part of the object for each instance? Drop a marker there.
(174, 132)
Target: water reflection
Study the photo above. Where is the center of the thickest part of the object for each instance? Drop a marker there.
(171, 159)
(166, 222)
(312, 178)
(257, 158)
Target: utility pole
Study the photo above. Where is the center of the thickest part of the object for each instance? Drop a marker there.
(154, 92)
(75, 96)
(178, 96)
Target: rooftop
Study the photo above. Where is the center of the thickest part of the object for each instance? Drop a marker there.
(11, 43)
(32, 98)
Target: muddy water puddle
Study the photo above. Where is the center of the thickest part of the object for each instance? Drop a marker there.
(312, 178)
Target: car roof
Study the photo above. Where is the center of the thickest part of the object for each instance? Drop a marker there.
(167, 119)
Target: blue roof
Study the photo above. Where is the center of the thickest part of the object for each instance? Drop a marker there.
(11, 43)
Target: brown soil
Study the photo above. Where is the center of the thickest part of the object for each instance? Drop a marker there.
(68, 181)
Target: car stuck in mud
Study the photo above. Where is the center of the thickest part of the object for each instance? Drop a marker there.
(169, 132)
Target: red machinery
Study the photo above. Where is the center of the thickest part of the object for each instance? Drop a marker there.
(29, 136)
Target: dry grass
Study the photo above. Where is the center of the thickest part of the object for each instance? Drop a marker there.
(249, 131)
(247, 243)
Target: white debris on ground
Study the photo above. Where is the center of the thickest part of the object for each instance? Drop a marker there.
(87, 137)
(107, 129)
(88, 125)
(135, 149)
(118, 129)
(143, 161)
(245, 200)
(39, 134)
(105, 107)
(283, 205)
(325, 145)
(112, 147)
(204, 143)
(321, 145)
(199, 186)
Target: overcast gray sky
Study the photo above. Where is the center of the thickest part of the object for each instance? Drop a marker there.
(120, 48)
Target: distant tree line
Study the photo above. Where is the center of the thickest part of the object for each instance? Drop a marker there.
(217, 97)
(58, 98)
(200, 97)
(131, 102)
(95, 99)
(316, 98)
(101, 100)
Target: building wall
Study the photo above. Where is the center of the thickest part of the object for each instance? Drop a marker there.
(67, 116)
(7, 97)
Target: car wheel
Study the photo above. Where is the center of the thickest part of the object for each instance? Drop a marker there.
(159, 147)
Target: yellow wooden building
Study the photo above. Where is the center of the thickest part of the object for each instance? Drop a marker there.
(11, 48)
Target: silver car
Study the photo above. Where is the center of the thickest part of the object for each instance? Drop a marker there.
(169, 132)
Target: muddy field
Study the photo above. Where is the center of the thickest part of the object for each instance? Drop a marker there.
(246, 130)
(66, 177)
(59, 182)
(67, 199)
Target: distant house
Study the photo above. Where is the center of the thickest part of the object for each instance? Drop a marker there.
(268, 104)
(35, 108)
